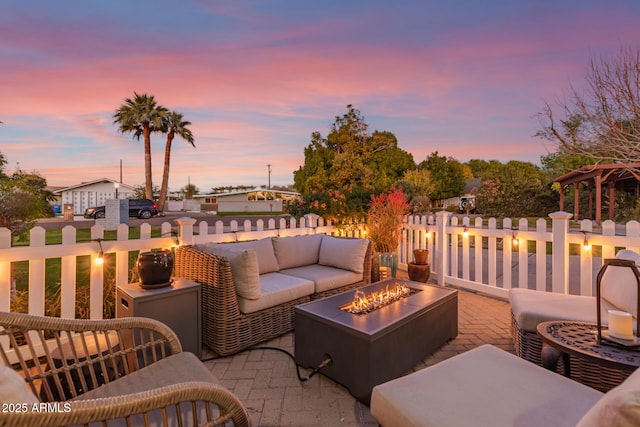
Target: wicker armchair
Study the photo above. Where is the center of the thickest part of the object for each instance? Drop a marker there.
(129, 371)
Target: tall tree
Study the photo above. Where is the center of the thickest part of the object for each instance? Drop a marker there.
(388, 162)
(172, 125)
(141, 115)
(343, 170)
(601, 120)
(448, 176)
(515, 189)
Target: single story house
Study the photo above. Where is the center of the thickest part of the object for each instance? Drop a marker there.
(93, 193)
(254, 200)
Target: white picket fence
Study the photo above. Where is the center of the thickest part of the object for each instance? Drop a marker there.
(187, 233)
(465, 254)
(486, 258)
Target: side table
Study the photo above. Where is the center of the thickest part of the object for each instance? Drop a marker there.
(602, 365)
(86, 346)
(178, 306)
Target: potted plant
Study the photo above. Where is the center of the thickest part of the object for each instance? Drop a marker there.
(384, 224)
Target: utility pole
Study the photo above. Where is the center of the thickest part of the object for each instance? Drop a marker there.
(269, 182)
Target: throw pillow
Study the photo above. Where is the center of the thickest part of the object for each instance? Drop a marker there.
(14, 388)
(267, 262)
(244, 267)
(619, 287)
(344, 253)
(297, 251)
(619, 407)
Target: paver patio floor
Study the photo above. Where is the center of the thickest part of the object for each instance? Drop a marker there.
(267, 383)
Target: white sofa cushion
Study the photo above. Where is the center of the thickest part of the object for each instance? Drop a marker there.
(325, 278)
(14, 389)
(532, 307)
(275, 289)
(296, 251)
(619, 287)
(347, 254)
(244, 267)
(620, 406)
(482, 387)
(267, 262)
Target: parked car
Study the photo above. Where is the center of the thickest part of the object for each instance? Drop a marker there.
(139, 208)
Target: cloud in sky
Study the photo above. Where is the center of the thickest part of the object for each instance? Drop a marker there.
(257, 78)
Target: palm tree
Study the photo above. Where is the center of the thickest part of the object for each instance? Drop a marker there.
(141, 115)
(172, 125)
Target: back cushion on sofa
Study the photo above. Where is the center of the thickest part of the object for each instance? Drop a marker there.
(244, 267)
(619, 287)
(344, 253)
(267, 262)
(297, 251)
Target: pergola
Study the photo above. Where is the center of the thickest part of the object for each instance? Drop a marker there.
(595, 177)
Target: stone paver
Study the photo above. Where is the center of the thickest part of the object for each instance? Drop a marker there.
(267, 383)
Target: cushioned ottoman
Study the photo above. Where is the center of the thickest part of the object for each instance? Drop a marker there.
(482, 387)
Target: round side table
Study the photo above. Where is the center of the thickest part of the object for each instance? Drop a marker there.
(603, 365)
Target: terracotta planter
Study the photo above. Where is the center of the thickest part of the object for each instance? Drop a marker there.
(419, 272)
(420, 256)
(155, 268)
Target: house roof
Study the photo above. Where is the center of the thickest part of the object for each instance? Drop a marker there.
(254, 190)
(88, 183)
(610, 172)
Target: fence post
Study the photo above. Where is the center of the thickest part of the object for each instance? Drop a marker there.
(185, 230)
(442, 245)
(560, 252)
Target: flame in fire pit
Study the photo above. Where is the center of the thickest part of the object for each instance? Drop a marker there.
(366, 303)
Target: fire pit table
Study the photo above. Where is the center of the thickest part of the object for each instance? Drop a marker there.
(382, 344)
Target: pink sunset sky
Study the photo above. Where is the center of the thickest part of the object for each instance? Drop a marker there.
(256, 78)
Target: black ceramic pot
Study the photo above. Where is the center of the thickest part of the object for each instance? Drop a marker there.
(155, 268)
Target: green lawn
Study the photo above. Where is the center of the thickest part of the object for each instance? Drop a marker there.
(20, 274)
(249, 213)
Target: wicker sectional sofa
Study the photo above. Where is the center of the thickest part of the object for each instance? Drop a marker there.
(249, 289)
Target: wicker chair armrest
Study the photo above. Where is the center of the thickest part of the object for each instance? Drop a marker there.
(133, 408)
(28, 322)
(62, 358)
(203, 267)
(208, 269)
(367, 263)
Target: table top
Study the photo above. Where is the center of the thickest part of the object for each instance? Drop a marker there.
(581, 339)
(177, 284)
(403, 310)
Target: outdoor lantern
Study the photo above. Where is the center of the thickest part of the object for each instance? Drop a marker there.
(585, 244)
(620, 319)
(100, 258)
